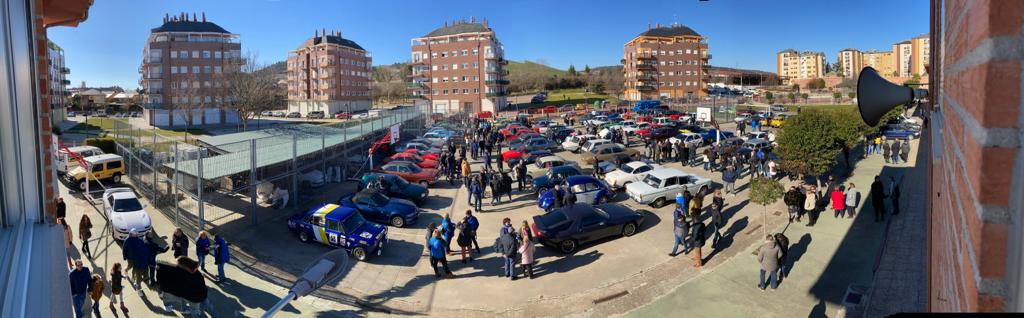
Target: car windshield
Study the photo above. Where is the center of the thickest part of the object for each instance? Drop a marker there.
(127, 205)
(653, 181)
(626, 168)
(415, 158)
(379, 199)
(401, 183)
(554, 219)
(353, 222)
(414, 168)
(601, 212)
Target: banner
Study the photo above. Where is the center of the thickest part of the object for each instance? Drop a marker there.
(395, 133)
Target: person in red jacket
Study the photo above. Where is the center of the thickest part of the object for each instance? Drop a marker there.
(838, 201)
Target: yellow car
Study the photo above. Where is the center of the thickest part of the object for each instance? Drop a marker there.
(778, 120)
(102, 167)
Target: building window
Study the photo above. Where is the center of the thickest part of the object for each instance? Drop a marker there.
(476, 78)
(174, 54)
(465, 91)
(455, 66)
(476, 91)
(475, 52)
(433, 55)
(174, 70)
(465, 65)
(476, 64)
(195, 70)
(444, 67)
(195, 54)
(216, 54)
(444, 92)
(216, 69)
(207, 69)
(465, 52)
(444, 80)
(206, 54)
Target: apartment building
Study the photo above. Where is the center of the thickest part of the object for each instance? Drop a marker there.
(851, 61)
(800, 65)
(902, 52)
(58, 83)
(329, 73)
(460, 67)
(920, 55)
(665, 62)
(882, 61)
(183, 67)
(907, 58)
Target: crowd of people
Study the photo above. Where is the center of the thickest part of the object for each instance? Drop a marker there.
(515, 246)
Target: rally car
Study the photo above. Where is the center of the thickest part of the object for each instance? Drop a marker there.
(338, 226)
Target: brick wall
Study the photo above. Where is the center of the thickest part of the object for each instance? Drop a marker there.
(43, 73)
(977, 154)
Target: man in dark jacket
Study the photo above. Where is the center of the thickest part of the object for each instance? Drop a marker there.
(474, 224)
(521, 174)
(905, 151)
(559, 196)
(569, 198)
(221, 256)
(507, 246)
(729, 178)
(137, 254)
(793, 200)
(896, 151)
(79, 277)
(886, 151)
(783, 242)
(506, 185)
(495, 190)
(61, 208)
(154, 250)
(878, 199)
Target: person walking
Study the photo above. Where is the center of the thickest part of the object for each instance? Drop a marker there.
(179, 243)
(838, 202)
(905, 151)
(507, 246)
(202, 249)
(707, 159)
(526, 250)
(692, 156)
(474, 224)
(447, 232)
(117, 287)
(521, 174)
(768, 256)
(495, 189)
(878, 144)
(697, 239)
(878, 199)
(466, 171)
(465, 242)
(811, 205)
(717, 220)
(680, 228)
(62, 208)
(85, 233)
(896, 151)
(894, 195)
(487, 160)
(886, 151)
(852, 199)
(793, 201)
(137, 254)
(438, 255)
(783, 242)
(476, 191)
(67, 234)
(506, 185)
(96, 287)
(80, 278)
(221, 256)
(729, 178)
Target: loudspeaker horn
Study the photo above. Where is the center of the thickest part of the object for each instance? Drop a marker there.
(876, 96)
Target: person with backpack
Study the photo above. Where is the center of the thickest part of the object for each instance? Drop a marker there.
(680, 228)
(783, 242)
(507, 246)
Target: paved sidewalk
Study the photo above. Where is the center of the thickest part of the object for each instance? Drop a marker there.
(823, 262)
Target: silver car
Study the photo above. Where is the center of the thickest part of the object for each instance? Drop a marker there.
(661, 186)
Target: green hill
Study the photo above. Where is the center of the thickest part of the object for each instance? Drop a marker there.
(527, 68)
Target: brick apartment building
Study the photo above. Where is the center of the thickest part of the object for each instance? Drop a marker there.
(906, 59)
(58, 83)
(460, 67)
(665, 62)
(793, 65)
(976, 233)
(183, 67)
(329, 73)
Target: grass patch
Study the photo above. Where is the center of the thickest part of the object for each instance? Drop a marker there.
(108, 125)
(568, 96)
(792, 107)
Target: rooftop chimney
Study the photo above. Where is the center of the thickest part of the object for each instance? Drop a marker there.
(204, 16)
(659, 25)
(194, 17)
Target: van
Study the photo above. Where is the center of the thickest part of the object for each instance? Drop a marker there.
(662, 120)
(66, 160)
(101, 168)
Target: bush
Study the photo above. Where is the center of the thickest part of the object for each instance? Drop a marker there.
(106, 144)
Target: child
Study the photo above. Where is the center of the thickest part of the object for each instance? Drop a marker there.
(116, 287)
(96, 292)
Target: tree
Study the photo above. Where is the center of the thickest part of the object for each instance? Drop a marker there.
(839, 68)
(796, 87)
(251, 90)
(597, 87)
(914, 80)
(572, 70)
(850, 129)
(819, 83)
(851, 95)
(765, 191)
(792, 98)
(804, 96)
(586, 68)
(807, 145)
(837, 96)
(769, 97)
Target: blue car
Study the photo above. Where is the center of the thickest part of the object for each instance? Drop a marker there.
(898, 131)
(396, 187)
(342, 227)
(554, 176)
(587, 189)
(378, 207)
(709, 135)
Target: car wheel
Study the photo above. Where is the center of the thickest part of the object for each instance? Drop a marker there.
(116, 178)
(704, 189)
(567, 246)
(629, 229)
(81, 185)
(397, 221)
(542, 190)
(529, 179)
(304, 237)
(424, 183)
(660, 202)
(359, 253)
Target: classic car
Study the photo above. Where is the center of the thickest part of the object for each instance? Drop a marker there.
(568, 227)
(336, 226)
(628, 173)
(660, 186)
(378, 207)
(554, 176)
(396, 186)
(587, 189)
(411, 172)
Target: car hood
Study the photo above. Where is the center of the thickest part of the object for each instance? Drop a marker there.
(131, 220)
(640, 188)
(368, 232)
(400, 206)
(616, 175)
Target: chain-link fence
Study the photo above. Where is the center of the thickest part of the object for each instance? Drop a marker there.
(208, 182)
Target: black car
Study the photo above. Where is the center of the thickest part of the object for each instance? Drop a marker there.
(568, 227)
(663, 133)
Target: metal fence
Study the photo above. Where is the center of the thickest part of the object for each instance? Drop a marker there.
(207, 182)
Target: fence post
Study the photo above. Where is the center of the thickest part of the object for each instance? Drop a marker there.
(152, 164)
(174, 187)
(252, 179)
(323, 154)
(295, 171)
(199, 192)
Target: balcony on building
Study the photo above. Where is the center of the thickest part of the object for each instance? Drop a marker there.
(418, 62)
(65, 70)
(644, 66)
(497, 94)
(645, 76)
(646, 57)
(645, 88)
(65, 82)
(418, 85)
(153, 60)
(496, 82)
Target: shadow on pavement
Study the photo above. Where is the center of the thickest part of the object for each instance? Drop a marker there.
(818, 311)
(565, 263)
(728, 237)
(796, 251)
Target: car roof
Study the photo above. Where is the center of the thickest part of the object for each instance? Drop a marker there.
(107, 157)
(565, 167)
(551, 158)
(332, 211)
(636, 164)
(662, 173)
(82, 148)
(398, 163)
(608, 146)
(578, 179)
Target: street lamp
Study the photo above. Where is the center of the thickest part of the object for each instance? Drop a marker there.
(328, 268)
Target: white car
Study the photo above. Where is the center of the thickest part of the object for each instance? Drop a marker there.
(755, 135)
(628, 173)
(660, 186)
(266, 113)
(691, 139)
(125, 213)
(598, 120)
(631, 130)
(436, 136)
(544, 164)
(593, 143)
(741, 119)
(573, 143)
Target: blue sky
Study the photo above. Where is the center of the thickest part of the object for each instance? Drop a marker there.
(107, 48)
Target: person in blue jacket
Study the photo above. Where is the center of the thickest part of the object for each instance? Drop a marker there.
(438, 254)
(80, 287)
(474, 224)
(202, 248)
(447, 231)
(221, 256)
(138, 256)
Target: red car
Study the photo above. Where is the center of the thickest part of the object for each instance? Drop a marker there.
(511, 154)
(647, 131)
(411, 172)
(644, 119)
(422, 154)
(342, 115)
(413, 158)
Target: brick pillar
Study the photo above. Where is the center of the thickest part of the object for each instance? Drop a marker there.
(975, 133)
(43, 89)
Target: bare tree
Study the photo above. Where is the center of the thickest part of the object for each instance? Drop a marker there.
(189, 98)
(251, 89)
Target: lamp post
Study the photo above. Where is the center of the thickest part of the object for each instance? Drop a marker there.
(328, 268)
